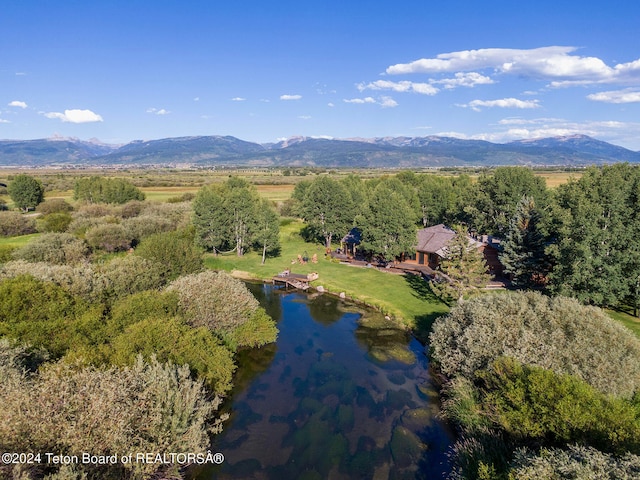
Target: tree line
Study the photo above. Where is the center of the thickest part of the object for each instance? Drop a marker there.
(579, 239)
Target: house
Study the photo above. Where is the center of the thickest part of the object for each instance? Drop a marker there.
(432, 243)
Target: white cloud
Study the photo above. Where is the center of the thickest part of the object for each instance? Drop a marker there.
(462, 79)
(477, 105)
(18, 103)
(517, 128)
(305, 117)
(556, 63)
(238, 99)
(360, 100)
(75, 116)
(387, 102)
(403, 86)
(157, 111)
(617, 96)
(290, 97)
(383, 101)
(196, 99)
(2, 120)
(330, 104)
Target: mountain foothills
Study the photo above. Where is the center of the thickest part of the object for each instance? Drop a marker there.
(387, 152)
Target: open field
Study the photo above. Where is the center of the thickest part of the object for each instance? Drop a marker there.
(554, 179)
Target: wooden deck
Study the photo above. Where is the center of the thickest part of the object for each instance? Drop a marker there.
(294, 280)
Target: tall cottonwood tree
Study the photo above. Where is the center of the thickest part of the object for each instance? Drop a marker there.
(498, 194)
(597, 252)
(231, 216)
(326, 208)
(388, 225)
(267, 229)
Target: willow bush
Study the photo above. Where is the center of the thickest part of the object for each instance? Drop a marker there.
(558, 334)
(574, 462)
(56, 248)
(148, 407)
(224, 305)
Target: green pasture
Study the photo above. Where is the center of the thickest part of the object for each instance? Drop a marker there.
(629, 321)
(17, 241)
(406, 298)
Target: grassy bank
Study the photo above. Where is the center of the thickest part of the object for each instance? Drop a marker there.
(406, 298)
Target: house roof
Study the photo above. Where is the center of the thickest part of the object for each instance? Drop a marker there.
(436, 238)
(353, 237)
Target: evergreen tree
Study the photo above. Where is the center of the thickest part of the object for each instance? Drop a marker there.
(26, 192)
(523, 248)
(464, 269)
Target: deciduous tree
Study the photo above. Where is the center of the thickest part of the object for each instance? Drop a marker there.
(26, 192)
(326, 208)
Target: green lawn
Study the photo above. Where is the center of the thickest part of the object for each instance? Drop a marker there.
(406, 298)
(629, 321)
(18, 241)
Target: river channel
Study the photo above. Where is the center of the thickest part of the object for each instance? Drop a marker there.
(343, 394)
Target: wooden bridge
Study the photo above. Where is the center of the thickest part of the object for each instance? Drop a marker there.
(295, 280)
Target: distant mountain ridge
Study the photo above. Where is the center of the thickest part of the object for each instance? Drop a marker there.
(383, 152)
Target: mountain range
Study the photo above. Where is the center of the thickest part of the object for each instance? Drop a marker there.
(386, 152)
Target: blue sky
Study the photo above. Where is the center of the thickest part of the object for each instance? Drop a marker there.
(261, 71)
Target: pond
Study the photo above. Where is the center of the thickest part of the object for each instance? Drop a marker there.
(342, 394)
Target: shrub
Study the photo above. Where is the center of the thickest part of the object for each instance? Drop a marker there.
(110, 237)
(558, 333)
(78, 280)
(141, 306)
(171, 339)
(54, 222)
(140, 227)
(131, 209)
(175, 251)
(6, 252)
(13, 224)
(81, 224)
(41, 313)
(215, 300)
(96, 210)
(574, 462)
(258, 330)
(148, 407)
(531, 403)
(57, 248)
(179, 214)
(54, 205)
(124, 276)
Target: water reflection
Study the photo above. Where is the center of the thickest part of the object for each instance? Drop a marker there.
(339, 396)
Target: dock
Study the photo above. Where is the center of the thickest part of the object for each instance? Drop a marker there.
(295, 280)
